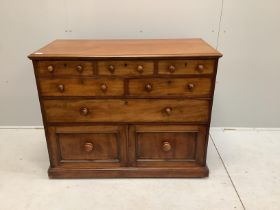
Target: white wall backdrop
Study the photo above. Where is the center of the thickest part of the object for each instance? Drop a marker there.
(246, 32)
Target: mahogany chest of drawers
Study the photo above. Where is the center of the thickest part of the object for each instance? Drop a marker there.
(126, 108)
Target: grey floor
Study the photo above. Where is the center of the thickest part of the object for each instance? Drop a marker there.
(244, 174)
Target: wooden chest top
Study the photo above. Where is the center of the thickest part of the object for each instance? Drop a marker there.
(126, 48)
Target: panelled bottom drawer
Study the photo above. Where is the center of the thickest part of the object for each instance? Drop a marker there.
(103, 146)
(167, 145)
(130, 110)
(83, 146)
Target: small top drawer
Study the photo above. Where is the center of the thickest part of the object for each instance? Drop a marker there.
(125, 68)
(186, 67)
(65, 68)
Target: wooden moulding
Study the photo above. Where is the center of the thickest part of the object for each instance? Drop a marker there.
(129, 172)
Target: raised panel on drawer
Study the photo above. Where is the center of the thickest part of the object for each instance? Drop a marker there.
(130, 110)
(83, 146)
(166, 145)
(65, 68)
(154, 87)
(125, 68)
(174, 67)
(81, 87)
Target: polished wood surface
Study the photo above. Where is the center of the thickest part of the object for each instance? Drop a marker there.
(175, 67)
(81, 87)
(170, 87)
(130, 110)
(126, 108)
(87, 146)
(125, 68)
(126, 48)
(167, 145)
(65, 68)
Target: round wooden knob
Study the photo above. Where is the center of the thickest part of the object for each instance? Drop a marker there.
(140, 68)
(88, 147)
(171, 68)
(61, 87)
(84, 111)
(190, 86)
(200, 67)
(168, 110)
(148, 87)
(50, 68)
(111, 68)
(166, 146)
(104, 87)
(79, 68)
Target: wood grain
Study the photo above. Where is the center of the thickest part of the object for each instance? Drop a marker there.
(65, 68)
(130, 110)
(126, 108)
(109, 146)
(187, 143)
(126, 48)
(186, 67)
(129, 172)
(201, 87)
(125, 68)
(82, 87)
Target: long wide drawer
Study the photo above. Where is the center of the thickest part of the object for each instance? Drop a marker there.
(130, 110)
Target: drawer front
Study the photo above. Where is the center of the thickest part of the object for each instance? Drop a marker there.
(82, 146)
(65, 68)
(81, 87)
(172, 145)
(131, 110)
(186, 67)
(170, 87)
(124, 68)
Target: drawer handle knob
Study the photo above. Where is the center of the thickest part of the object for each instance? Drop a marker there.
(79, 68)
(61, 87)
(50, 68)
(148, 87)
(190, 86)
(200, 67)
(168, 110)
(172, 68)
(166, 146)
(140, 68)
(88, 147)
(111, 68)
(104, 87)
(84, 111)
